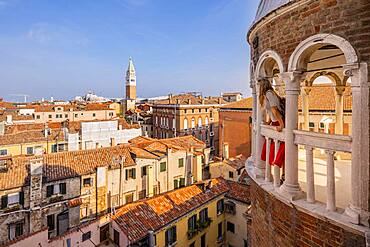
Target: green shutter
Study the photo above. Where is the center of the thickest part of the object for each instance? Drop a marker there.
(49, 190)
(176, 183)
(62, 188)
(182, 182)
(134, 173)
(4, 201)
(21, 197)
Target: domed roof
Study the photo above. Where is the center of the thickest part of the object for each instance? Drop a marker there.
(267, 6)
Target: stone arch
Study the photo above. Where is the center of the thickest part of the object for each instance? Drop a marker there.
(331, 75)
(298, 59)
(265, 59)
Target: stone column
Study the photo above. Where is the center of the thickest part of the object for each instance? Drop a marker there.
(358, 208)
(259, 165)
(305, 108)
(310, 175)
(291, 189)
(330, 181)
(339, 110)
(254, 116)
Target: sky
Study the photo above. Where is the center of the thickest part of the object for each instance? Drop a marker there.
(66, 48)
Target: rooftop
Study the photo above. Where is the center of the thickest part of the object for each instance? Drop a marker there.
(243, 104)
(137, 218)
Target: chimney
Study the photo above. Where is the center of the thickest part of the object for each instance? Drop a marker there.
(35, 193)
(9, 119)
(220, 100)
(170, 97)
(178, 101)
(203, 101)
(226, 151)
(151, 239)
(113, 141)
(189, 101)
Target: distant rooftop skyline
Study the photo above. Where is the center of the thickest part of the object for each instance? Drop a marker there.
(67, 48)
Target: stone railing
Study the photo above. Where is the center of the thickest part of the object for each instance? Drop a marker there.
(310, 141)
(331, 144)
(271, 135)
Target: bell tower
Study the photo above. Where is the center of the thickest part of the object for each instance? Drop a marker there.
(130, 80)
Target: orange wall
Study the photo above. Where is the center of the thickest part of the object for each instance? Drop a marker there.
(235, 129)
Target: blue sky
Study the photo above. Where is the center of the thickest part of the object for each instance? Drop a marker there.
(65, 48)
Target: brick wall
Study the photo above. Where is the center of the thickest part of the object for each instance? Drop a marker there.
(274, 223)
(349, 19)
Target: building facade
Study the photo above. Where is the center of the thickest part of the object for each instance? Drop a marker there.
(236, 116)
(188, 114)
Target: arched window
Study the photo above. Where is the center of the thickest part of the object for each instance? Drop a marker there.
(199, 122)
(185, 123)
(206, 121)
(193, 122)
(173, 123)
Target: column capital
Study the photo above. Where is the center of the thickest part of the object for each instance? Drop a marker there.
(292, 80)
(340, 90)
(349, 68)
(330, 152)
(309, 148)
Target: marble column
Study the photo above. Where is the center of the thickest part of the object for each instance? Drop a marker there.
(339, 110)
(358, 208)
(254, 118)
(305, 108)
(290, 188)
(259, 165)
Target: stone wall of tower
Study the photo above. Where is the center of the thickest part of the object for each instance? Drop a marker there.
(130, 92)
(275, 223)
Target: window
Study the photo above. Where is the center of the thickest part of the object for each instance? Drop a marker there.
(13, 199)
(230, 227)
(129, 198)
(131, 173)
(185, 111)
(29, 150)
(15, 230)
(182, 182)
(37, 116)
(116, 237)
(50, 116)
(206, 121)
(199, 122)
(56, 189)
(311, 124)
(231, 174)
(230, 207)
(66, 115)
(87, 182)
(322, 125)
(192, 110)
(219, 231)
(3, 152)
(181, 162)
(176, 184)
(86, 236)
(203, 215)
(192, 222)
(162, 167)
(185, 123)
(94, 114)
(245, 243)
(144, 171)
(54, 148)
(76, 115)
(193, 122)
(51, 222)
(220, 206)
(111, 114)
(83, 212)
(203, 241)
(171, 236)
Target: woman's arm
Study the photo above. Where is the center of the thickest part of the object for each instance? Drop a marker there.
(278, 116)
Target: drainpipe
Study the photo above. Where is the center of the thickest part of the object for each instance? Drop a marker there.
(151, 239)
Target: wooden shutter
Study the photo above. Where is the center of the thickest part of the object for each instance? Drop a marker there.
(49, 190)
(126, 174)
(4, 201)
(21, 197)
(62, 188)
(134, 173)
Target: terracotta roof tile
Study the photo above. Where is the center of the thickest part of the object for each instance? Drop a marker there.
(246, 104)
(31, 136)
(64, 165)
(136, 219)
